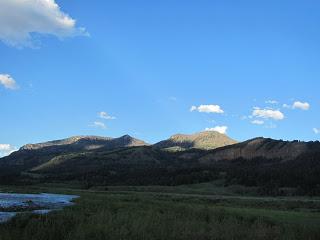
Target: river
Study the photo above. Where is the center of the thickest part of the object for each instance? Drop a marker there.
(12, 204)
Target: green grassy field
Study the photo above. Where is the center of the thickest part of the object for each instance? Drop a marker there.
(128, 214)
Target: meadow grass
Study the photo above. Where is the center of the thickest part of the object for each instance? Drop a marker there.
(111, 215)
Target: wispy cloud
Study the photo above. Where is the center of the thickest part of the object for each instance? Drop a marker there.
(106, 116)
(286, 106)
(316, 130)
(207, 109)
(19, 20)
(257, 122)
(272, 102)
(219, 129)
(8, 82)
(98, 124)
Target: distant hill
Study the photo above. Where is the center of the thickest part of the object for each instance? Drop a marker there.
(266, 163)
(32, 155)
(86, 143)
(266, 148)
(204, 140)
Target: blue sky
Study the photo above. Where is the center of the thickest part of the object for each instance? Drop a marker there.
(250, 68)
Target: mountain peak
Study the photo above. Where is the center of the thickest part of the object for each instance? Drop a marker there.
(126, 137)
(66, 141)
(202, 140)
(86, 143)
(130, 141)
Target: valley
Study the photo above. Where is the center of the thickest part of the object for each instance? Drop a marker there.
(273, 167)
(201, 186)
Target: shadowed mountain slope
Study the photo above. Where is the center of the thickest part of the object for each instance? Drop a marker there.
(32, 155)
(263, 148)
(125, 160)
(86, 143)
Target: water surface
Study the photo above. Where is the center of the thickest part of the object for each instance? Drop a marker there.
(12, 203)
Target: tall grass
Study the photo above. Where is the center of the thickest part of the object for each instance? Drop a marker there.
(116, 216)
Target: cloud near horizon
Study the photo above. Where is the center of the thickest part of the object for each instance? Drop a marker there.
(207, 109)
(8, 82)
(20, 20)
(219, 129)
(316, 130)
(6, 149)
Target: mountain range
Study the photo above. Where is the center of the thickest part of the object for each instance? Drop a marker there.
(181, 159)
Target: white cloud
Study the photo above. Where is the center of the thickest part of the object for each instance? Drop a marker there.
(298, 105)
(316, 130)
(257, 122)
(301, 105)
(219, 129)
(98, 124)
(207, 109)
(21, 19)
(268, 113)
(106, 116)
(6, 149)
(8, 82)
